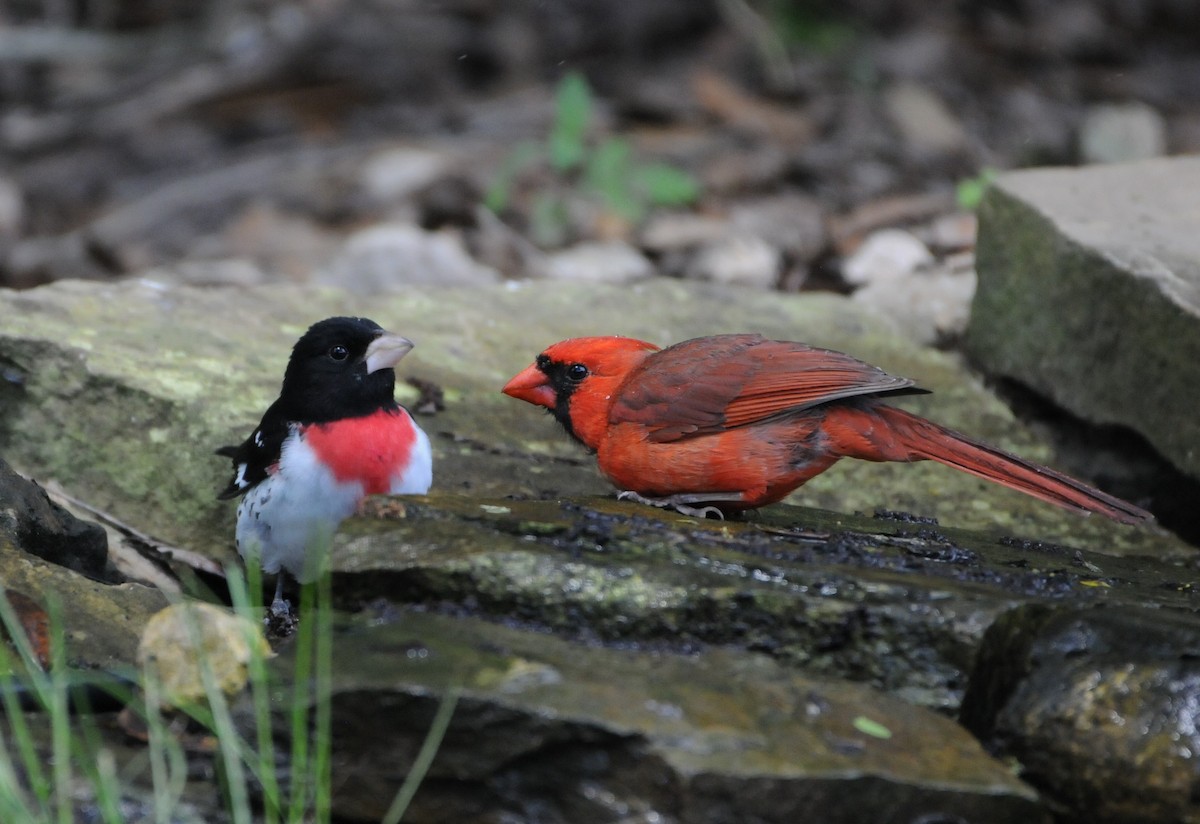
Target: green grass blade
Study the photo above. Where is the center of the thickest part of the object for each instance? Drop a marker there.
(424, 759)
(60, 716)
(246, 594)
(299, 757)
(322, 768)
(230, 747)
(9, 683)
(231, 750)
(157, 747)
(96, 762)
(13, 798)
(107, 785)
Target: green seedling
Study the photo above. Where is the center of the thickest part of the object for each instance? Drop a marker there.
(603, 170)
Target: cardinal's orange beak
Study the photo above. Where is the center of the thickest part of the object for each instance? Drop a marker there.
(532, 386)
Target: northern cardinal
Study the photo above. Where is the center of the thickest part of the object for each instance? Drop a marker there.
(334, 436)
(734, 422)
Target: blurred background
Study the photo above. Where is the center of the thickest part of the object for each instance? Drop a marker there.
(370, 143)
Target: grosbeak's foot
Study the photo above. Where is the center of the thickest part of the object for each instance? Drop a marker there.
(682, 503)
(281, 620)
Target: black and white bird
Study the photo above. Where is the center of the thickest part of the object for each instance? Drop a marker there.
(334, 436)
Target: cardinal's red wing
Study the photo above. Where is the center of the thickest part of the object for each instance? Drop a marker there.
(710, 384)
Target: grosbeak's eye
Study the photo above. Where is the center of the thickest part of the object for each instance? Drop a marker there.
(577, 371)
(339, 352)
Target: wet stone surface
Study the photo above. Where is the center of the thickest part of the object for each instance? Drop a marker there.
(550, 731)
(894, 601)
(1100, 706)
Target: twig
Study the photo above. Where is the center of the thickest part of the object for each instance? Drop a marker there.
(742, 17)
(195, 560)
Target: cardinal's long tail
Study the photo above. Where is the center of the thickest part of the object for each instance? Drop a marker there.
(885, 433)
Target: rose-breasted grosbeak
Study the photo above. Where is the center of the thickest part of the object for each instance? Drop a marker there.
(334, 436)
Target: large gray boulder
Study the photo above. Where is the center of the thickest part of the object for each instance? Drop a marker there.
(1089, 292)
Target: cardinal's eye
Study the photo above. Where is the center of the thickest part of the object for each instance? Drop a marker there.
(577, 372)
(339, 352)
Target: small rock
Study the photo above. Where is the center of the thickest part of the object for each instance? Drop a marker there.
(739, 170)
(283, 244)
(953, 232)
(395, 174)
(929, 307)
(386, 257)
(888, 253)
(922, 52)
(791, 222)
(742, 260)
(926, 124)
(675, 231)
(597, 262)
(1185, 133)
(494, 243)
(1033, 127)
(849, 230)
(232, 272)
(1113, 133)
(659, 99)
(451, 200)
(1075, 29)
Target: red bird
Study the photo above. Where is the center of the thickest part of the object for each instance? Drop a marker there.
(734, 422)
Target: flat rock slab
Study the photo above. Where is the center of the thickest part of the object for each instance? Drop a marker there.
(1089, 292)
(897, 604)
(550, 731)
(121, 392)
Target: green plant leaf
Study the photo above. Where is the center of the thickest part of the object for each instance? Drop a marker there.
(608, 166)
(499, 193)
(548, 220)
(969, 193)
(608, 175)
(572, 113)
(872, 728)
(666, 185)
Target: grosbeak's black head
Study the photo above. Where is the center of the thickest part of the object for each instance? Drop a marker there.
(341, 368)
